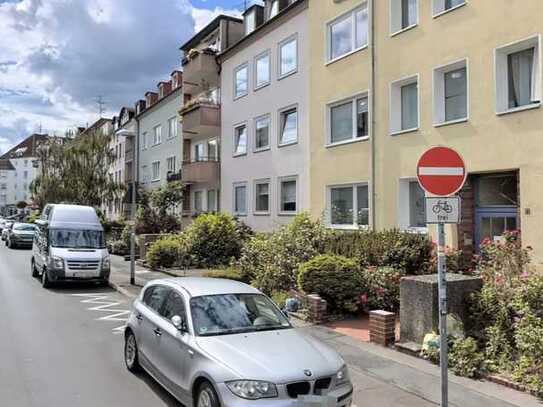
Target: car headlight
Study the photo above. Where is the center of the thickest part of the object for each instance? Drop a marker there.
(106, 263)
(342, 376)
(56, 262)
(252, 389)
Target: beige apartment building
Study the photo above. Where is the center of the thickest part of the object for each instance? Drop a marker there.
(391, 78)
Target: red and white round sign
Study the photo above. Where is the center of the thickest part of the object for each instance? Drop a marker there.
(441, 171)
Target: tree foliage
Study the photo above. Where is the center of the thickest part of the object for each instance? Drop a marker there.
(75, 171)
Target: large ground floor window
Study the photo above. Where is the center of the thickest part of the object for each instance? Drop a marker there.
(348, 206)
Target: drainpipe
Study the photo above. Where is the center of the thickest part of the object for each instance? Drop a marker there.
(372, 4)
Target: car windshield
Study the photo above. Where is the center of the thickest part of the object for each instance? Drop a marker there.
(77, 239)
(24, 227)
(235, 313)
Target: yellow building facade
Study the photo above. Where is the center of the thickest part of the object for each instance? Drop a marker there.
(464, 74)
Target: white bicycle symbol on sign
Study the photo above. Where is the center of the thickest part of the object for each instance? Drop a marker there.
(442, 206)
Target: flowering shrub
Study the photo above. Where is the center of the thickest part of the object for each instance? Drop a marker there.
(382, 288)
(465, 359)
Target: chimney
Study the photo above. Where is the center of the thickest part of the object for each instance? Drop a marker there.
(164, 88)
(177, 79)
(150, 99)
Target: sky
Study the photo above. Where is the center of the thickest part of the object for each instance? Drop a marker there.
(58, 56)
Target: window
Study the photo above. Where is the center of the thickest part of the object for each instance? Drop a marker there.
(250, 22)
(172, 127)
(403, 15)
(262, 196)
(274, 8)
(198, 201)
(404, 105)
(497, 190)
(348, 206)
(240, 199)
(288, 120)
(348, 33)
(518, 75)
(240, 140)
(145, 172)
(173, 306)
(155, 296)
(417, 206)
(348, 120)
(170, 164)
(156, 171)
(212, 150)
(241, 75)
(25, 174)
(288, 57)
(212, 200)
(157, 135)
(442, 6)
(199, 152)
(262, 70)
(287, 196)
(451, 93)
(262, 133)
(144, 142)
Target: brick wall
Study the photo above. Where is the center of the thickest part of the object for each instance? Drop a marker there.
(382, 327)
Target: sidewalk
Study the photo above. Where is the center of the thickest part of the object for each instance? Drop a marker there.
(382, 377)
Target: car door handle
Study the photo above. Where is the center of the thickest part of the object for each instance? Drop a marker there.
(158, 332)
(190, 352)
(139, 317)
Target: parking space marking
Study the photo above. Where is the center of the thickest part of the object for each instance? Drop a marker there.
(104, 304)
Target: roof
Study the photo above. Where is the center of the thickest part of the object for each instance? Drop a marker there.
(74, 216)
(6, 165)
(208, 29)
(25, 148)
(96, 125)
(198, 286)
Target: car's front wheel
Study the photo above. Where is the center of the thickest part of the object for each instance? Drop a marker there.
(35, 272)
(207, 396)
(131, 353)
(45, 279)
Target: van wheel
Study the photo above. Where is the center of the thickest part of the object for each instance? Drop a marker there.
(131, 353)
(45, 283)
(207, 396)
(33, 268)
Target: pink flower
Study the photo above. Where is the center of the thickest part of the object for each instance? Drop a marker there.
(363, 298)
(525, 275)
(380, 291)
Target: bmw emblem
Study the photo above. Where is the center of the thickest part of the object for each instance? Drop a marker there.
(307, 372)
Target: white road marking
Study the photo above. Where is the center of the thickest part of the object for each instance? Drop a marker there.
(106, 305)
(441, 171)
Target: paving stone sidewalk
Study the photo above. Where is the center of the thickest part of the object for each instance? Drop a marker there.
(382, 377)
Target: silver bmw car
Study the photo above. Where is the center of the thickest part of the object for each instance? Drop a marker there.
(213, 342)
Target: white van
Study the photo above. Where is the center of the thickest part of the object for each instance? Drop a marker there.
(69, 245)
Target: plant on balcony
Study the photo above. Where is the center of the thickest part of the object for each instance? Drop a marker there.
(193, 53)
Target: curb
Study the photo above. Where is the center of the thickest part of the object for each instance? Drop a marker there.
(121, 290)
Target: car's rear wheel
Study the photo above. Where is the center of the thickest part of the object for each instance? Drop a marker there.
(131, 353)
(207, 396)
(34, 269)
(45, 279)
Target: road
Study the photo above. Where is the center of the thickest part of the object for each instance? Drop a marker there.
(55, 352)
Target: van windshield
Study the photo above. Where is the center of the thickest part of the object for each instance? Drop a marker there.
(77, 239)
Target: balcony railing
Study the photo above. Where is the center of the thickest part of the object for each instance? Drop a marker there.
(173, 176)
(203, 169)
(201, 115)
(200, 69)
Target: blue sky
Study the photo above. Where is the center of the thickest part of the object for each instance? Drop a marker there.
(51, 72)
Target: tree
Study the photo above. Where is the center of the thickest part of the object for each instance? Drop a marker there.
(76, 171)
(154, 209)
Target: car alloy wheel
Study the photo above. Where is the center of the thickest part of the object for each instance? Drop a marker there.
(45, 279)
(131, 353)
(207, 397)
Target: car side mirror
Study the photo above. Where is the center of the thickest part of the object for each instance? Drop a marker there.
(179, 323)
(285, 313)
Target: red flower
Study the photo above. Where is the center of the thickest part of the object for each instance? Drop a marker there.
(380, 291)
(363, 298)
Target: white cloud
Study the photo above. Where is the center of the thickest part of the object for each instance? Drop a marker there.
(202, 17)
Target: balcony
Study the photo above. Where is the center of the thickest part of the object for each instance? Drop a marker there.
(201, 171)
(202, 116)
(173, 176)
(200, 70)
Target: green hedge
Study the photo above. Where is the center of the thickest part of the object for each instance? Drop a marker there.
(230, 273)
(165, 252)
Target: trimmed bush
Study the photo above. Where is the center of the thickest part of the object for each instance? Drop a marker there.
(165, 252)
(382, 288)
(231, 273)
(465, 359)
(335, 278)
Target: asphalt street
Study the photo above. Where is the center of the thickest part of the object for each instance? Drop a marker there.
(64, 347)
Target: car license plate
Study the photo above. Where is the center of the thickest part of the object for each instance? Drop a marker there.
(84, 274)
(316, 401)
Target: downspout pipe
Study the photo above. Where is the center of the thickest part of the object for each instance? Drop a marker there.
(372, 114)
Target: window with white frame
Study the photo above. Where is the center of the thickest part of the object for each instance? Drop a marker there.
(451, 93)
(240, 199)
(404, 105)
(348, 33)
(441, 6)
(250, 22)
(170, 164)
(518, 75)
(411, 206)
(262, 69)
(288, 126)
(212, 150)
(198, 201)
(262, 133)
(240, 140)
(288, 196)
(274, 8)
(241, 78)
(156, 171)
(288, 56)
(212, 200)
(144, 141)
(403, 15)
(348, 206)
(262, 196)
(348, 120)
(199, 152)
(172, 127)
(157, 139)
(145, 172)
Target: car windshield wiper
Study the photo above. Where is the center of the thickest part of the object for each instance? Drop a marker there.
(270, 327)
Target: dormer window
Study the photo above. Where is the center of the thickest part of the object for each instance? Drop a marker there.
(161, 91)
(250, 20)
(274, 8)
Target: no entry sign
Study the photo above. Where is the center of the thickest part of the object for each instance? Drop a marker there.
(441, 171)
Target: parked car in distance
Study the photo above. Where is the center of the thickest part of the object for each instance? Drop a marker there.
(70, 246)
(20, 234)
(5, 230)
(214, 342)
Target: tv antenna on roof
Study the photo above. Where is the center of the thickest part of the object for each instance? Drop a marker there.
(101, 105)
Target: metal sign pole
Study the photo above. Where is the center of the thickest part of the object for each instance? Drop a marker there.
(442, 289)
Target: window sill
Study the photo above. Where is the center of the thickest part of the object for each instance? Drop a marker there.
(261, 213)
(294, 213)
(351, 141)
(349, 227)
(348, 54)
(239, 154)
(398, 132)
(155, 180)
(520, 109)
(417, 230)
(286, 75)
(240, 96)
(449, 10)
(260, 150)
(288, 144)
(265, 85)
(394, 34)
(240, 214)
(451, 122)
